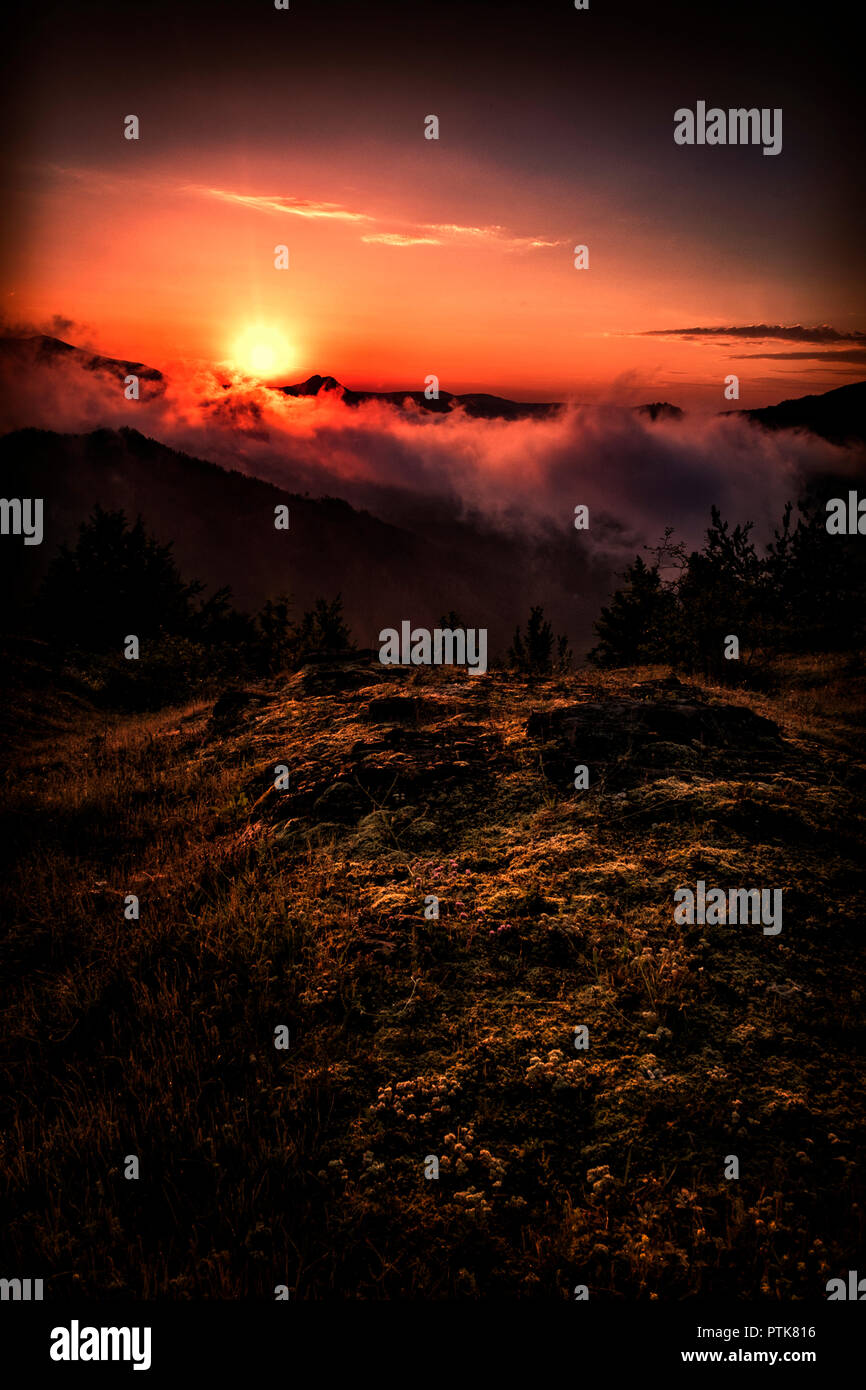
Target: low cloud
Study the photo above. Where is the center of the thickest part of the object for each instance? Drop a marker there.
(636, 475)
(54, 326)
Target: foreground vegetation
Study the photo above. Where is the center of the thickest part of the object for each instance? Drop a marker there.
(452, 1037)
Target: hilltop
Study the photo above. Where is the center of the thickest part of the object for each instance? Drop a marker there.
(411, 1036)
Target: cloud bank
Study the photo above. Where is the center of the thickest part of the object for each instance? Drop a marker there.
(636, 475)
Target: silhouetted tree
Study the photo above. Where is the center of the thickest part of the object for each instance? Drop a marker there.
(321, 629)
(273, 636)
(533, 653)
(636, 626)
(723, 591)
(116, 580)
(452, 622)
(805, 593)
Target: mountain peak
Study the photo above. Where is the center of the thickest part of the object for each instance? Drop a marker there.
(312, 386)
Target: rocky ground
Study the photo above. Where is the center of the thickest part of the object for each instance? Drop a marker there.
(413, 1037)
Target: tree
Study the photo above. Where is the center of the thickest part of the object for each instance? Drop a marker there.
(321, 629)
(116, 580)
(452, 622)
(804, 593)
(635, 627)
(272, 642)
(533, 653)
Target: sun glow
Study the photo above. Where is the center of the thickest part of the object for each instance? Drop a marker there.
(261, 350)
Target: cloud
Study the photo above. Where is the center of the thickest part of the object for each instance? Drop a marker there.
(795, 333)
(54, 326)
(398, 239)
(856, 355)
(415, 234)
(294, 207)
(455, 232)
(314, 210)
(495, 497)
(636, 475)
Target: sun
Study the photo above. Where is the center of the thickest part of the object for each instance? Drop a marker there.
(262, 350)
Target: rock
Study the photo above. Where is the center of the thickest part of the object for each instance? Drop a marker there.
(330, 679)
(662, 754)
(228, 711)
(647, 735)
(341, 801)
(615, 724)
(388, 708)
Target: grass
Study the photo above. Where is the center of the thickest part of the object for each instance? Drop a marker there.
(450, 1037)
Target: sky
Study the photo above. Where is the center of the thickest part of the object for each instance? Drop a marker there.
(454, 257)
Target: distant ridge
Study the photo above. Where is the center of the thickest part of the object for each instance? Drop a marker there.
(838, 415)
(478, 404)
(42, 350)
(221, 524)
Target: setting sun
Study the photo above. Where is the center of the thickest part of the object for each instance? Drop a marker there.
(262, 350)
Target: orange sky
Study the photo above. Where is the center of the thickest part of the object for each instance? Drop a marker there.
(409, 256)
(383, 290)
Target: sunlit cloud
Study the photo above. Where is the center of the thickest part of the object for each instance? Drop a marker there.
(417, 234)
(398, 239)
(501, 235)
(295, 207)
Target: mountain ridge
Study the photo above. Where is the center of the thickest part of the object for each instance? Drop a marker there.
(221, 523)
(837, 415)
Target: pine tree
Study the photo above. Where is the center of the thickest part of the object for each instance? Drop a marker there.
(533, 653)
(635, 627)
(116, 580)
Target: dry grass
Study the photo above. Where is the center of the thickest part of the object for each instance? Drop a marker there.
(411, 1037)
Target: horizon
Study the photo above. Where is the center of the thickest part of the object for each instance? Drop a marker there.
(629, 267)
(241, 379)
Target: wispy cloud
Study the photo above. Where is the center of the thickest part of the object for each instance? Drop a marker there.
(454, 231)
(398, 239)
(856, 355)
(294, 207)
(414, 234)
(792, 333)
(313, 210)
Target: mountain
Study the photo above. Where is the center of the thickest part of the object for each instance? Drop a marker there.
(480, 405)
(222, 525)
(43, 351)
(838, 415)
